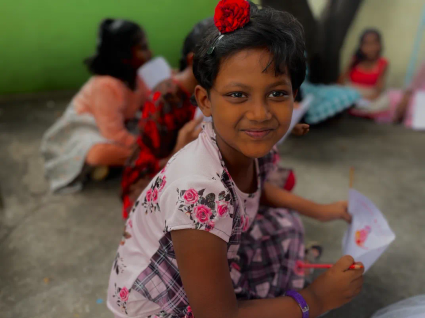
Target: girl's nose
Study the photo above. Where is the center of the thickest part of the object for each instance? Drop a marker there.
(259, 112)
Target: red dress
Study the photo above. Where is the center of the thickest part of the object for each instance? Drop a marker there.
(166, 111)
(369, 78)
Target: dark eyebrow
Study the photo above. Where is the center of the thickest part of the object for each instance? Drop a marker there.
(236, 84)
(243, 86)
(281, 82)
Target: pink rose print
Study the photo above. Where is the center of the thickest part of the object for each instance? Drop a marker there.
(130, 223)
(163, 183)
(163, 170)
(222, 208)
(210, 226)
(191, 196)
(202, 213)
(149, 195)
(189, 313)
(124, 294)
(155, 196)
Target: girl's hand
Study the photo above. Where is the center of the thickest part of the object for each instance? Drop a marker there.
(301, 129)
(334, 211)
(337, 286)
(188, 133)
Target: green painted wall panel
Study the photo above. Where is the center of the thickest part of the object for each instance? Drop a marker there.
(43, 42)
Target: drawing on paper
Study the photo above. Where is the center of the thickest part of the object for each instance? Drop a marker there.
(361, 236)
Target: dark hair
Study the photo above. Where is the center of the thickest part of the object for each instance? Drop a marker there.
(359, 56)
(193, 38)
(277, 31)
(116, 39)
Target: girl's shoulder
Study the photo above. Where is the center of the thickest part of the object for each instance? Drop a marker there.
(101, 82)
(383, 63)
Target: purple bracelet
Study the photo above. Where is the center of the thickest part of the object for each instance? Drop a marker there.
(301, 302)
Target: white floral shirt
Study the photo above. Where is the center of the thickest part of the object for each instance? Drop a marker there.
(194, 191)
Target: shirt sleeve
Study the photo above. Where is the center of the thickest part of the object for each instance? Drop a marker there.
(109, 113)
(197, 203)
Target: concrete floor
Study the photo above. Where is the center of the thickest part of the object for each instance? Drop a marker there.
(56, 251)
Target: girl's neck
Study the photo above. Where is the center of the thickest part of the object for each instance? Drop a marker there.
(187, 80)
(241, 168)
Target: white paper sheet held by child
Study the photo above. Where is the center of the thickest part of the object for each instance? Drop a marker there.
(369, 234)
(155, 71)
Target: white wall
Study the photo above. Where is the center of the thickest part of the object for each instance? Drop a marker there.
(398, 20)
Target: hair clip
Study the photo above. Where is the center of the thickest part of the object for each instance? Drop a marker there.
(212, 48)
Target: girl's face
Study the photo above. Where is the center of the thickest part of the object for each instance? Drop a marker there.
(251, 108)
(371, 46)
(141, 53)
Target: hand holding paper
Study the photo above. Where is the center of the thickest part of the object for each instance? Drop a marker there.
(369, 234)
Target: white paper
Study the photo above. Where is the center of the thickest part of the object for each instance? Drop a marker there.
(155, 71)
(297, 114)
(418, 120)
(369, 234)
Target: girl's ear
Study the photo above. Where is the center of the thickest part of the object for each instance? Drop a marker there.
(295, 93)
(203, 100)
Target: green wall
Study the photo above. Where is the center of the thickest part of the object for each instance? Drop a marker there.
(43, 42)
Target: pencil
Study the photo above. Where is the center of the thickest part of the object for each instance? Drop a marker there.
(351, 177)
(304, 265)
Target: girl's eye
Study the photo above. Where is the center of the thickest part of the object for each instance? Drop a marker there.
(278, 94)
(237, 95)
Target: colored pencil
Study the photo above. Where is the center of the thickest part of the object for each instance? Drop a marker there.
(304, 265)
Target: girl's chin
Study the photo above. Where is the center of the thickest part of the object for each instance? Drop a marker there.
(256, 151)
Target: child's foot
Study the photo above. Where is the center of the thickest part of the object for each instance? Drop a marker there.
(99, 173)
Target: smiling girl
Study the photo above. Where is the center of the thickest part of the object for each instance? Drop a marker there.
(209, 221)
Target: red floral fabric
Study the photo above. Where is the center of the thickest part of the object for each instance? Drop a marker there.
(166, 111)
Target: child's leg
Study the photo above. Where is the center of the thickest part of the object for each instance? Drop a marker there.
(108, 155)
(268, 255)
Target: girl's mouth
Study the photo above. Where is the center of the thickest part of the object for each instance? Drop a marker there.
(258, 134)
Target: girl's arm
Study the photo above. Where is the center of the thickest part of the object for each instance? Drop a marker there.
(276, 197)
(204, 269)
(342, 79)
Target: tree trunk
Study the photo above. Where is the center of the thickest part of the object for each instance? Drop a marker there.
(301, 10)
(325, 36)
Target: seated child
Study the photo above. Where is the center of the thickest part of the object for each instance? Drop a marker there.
(401, 102)
(92, 130)
(166, 125)
(199, 223)
(367, 73)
